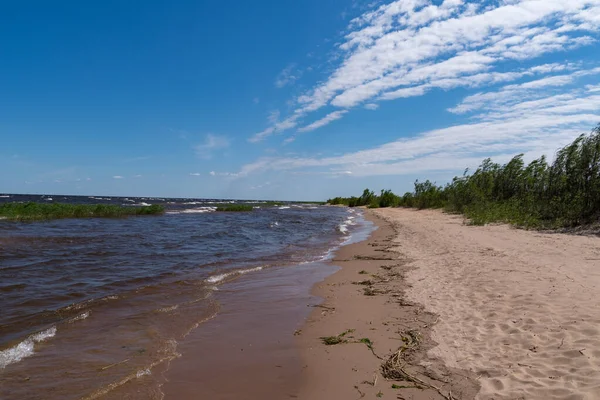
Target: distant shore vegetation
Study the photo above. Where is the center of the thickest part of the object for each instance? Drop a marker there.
(565, 193)
(39, 211)
(235, 208)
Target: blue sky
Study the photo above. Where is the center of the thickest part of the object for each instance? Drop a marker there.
(286, 100)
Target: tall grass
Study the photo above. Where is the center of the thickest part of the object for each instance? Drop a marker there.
(565, 193)
(236, 208)
(43, 211)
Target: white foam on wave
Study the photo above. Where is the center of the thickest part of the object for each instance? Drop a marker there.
(80, 317)
(168, 309)
(143, 204)
(48, 199)
(222, 277)
(5, 196)
(283, 208)
(143, 372)
(25, 348)
(198, 210)
(350, 221)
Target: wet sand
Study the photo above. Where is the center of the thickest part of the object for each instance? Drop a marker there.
(248, 351)
(366, 297)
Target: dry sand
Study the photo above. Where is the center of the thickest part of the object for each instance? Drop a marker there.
(501, 313)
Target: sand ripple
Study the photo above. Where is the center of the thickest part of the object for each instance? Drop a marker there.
(520, 309)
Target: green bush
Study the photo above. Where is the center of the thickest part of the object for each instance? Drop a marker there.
(562, 194)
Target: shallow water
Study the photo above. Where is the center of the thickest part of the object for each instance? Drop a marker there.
(88, 305)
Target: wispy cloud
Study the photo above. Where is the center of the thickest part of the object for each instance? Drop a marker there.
(323, 121)
(534, 117)
(211, 144)
(287, 76)
(226, 174)
(195, 174)
(407, 48)
(118, 177)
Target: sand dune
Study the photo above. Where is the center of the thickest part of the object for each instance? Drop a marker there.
(520, 309)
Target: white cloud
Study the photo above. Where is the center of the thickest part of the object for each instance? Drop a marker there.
(137, 176)
(409, 47)
(287, 76)
(195, 174)
(534, 118)
(211, 143)
(225, 174)
(372, 106)
(323, 121)
(118, 177)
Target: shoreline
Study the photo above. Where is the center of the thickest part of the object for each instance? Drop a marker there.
(364, 305)
(472, 312)
(251, 341)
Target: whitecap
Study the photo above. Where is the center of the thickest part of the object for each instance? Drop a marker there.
(143, 372)
(222, 277)
(80, 317)
(25, 348)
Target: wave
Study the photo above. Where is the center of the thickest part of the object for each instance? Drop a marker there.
(5, 197)
(221, 277)
(25, 348)
(343, 227)
(197, 210)
(283, 208)
(79, 317)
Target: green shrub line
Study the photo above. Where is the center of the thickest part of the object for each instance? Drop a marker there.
(540, 195)
(235, 208)
(44, 211)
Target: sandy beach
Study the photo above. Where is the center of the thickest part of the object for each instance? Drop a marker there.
(456, 312)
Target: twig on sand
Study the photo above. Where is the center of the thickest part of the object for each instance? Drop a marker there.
(321, 306)
(394, 367)
(113, 365)
(358, 390)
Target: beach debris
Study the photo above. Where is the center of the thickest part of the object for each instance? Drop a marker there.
(373, 382)
(394, 368)
(333, 340)
(359, 392)
(113, 365)
(321, 306)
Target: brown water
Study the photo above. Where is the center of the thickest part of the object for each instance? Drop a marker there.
(94, 308)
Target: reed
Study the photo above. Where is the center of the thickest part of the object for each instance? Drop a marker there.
(564, 193)
(236, 208)
(44, 211)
